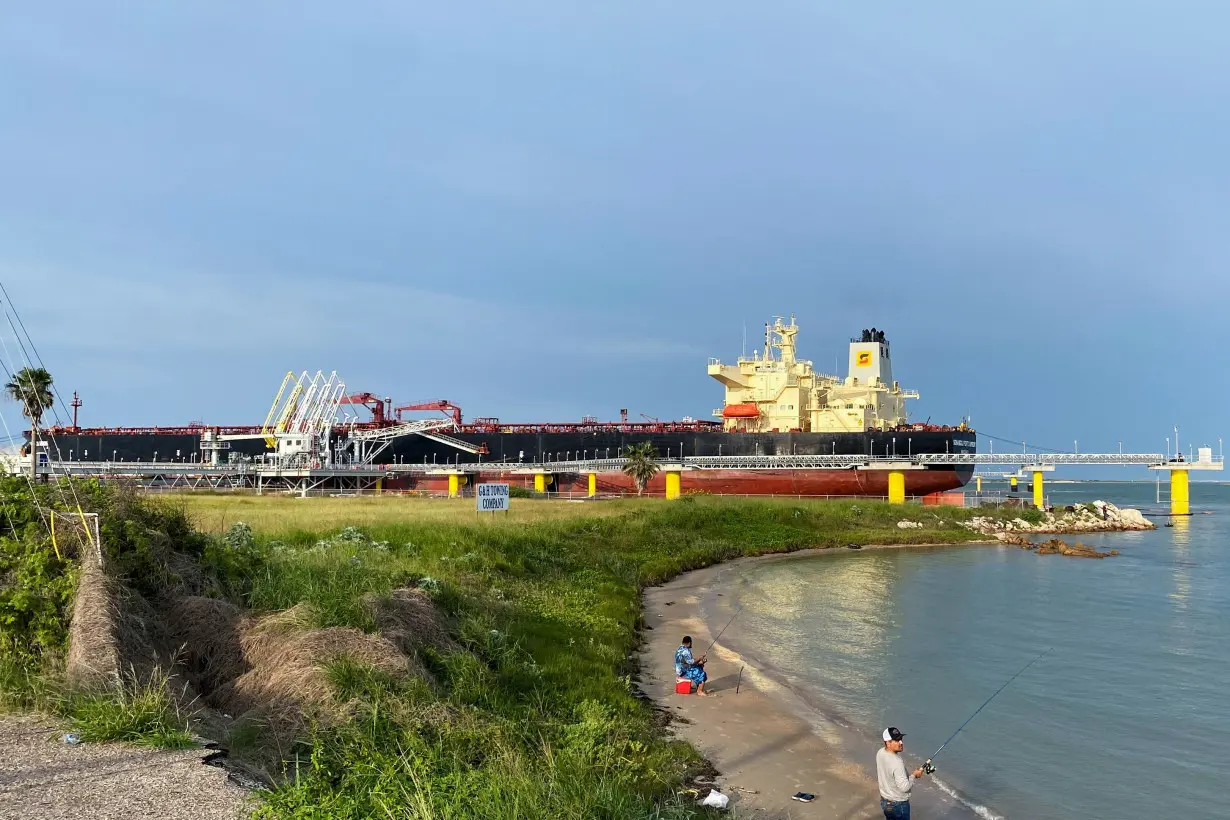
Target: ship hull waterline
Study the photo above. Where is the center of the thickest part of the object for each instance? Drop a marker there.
(806, 483)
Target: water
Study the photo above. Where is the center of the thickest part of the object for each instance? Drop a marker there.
(1128, 717)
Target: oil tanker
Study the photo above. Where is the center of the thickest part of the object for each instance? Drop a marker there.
(774, 405)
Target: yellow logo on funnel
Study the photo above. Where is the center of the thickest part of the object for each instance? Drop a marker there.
(864, 358)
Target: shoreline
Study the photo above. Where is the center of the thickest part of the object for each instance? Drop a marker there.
(768, 741)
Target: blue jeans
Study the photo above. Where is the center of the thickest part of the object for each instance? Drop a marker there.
(895, 811)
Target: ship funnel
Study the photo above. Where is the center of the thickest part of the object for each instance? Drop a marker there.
(869, 359)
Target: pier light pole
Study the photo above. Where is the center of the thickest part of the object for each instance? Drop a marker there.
(70, 455)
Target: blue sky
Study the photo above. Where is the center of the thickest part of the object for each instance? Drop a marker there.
(543, 210)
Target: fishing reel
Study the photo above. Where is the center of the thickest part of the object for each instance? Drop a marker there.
(928, 768)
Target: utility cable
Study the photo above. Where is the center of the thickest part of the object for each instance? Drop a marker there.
(76, 500)
(1019, 441)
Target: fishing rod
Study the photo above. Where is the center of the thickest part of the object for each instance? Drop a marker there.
(728, 623)
(927, 767)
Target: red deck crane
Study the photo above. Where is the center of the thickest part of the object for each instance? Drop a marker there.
(372, 402)
(443, 405)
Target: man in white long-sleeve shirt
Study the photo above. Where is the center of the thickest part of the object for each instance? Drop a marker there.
(895, 784)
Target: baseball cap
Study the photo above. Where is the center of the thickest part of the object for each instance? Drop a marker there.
(893, 733)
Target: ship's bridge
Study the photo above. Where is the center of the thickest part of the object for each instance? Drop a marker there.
(775, 391)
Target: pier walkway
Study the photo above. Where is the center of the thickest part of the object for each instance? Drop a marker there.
(261, 476)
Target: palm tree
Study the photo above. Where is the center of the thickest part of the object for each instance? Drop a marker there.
(32, 387)
(642, 464)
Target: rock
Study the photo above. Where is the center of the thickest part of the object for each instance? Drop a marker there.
(1057, 546)
(909, 525)
(1103, 517)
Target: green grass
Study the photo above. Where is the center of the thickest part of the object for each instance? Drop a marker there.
(139, 712)
(288, 515)
(537, 718)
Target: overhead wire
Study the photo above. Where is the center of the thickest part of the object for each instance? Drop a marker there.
(8, 362)
(1021, 442)
(11, 313)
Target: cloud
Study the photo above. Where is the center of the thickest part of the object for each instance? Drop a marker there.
(175, 316)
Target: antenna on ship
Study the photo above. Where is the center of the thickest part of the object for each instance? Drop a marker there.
(745, 338)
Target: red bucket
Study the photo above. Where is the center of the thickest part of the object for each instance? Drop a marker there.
(683, 686)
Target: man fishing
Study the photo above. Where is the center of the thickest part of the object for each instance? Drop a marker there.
(895, 784)
(688, 667)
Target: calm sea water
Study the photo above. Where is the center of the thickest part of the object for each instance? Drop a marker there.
(1128, 717)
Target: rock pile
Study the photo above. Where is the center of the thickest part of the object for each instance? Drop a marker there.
(1056, 546)
(1098, 516)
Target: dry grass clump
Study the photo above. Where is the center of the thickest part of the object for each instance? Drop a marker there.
(113, 629)
(286, 662)
(207, 632)
(271, 668)
(408, 618)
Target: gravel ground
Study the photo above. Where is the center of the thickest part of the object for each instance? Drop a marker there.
(42, 777)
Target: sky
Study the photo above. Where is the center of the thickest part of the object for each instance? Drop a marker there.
(550, 209)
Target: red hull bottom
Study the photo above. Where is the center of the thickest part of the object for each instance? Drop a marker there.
(871, 483)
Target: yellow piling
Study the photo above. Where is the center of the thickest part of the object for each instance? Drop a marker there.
(672, 484)
(896, 487)
(1179, 498)
(379, 484)
(454, 485)
(978, 484)
(593, 484)
(1012, 483)
(1038, 501)
(540, 482)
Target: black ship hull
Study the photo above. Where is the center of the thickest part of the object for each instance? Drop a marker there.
(532, 447)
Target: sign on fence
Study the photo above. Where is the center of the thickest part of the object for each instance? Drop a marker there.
(491, 497)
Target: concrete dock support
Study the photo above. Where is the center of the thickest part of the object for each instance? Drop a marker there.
(896, 487)
(1039, 501)
(672, 485)
(593, 484)
(1179, 495)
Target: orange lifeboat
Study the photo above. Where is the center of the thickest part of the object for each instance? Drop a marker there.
(740, 411)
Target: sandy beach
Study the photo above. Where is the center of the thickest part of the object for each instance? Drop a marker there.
(765, 740)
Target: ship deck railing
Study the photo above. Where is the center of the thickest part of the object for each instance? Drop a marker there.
(1022, 461)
